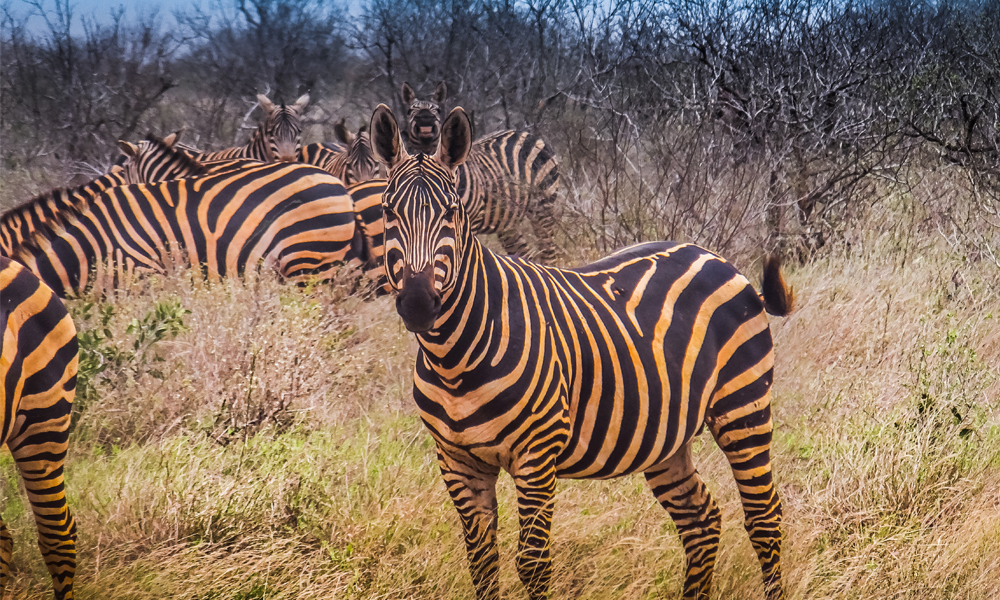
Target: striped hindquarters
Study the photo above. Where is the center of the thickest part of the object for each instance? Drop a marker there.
(20, 223)
(322, 155)
(38, 367)
(509, 177)
(293, 218)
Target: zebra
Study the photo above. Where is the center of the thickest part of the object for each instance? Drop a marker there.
(593, 372)
(277, 138)
(296, 218)
(423, 118)
(154, 160)
(38, 366)
(351, 159)
(20, 224)
(509, 176)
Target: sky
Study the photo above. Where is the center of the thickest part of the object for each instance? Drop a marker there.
(100, 11)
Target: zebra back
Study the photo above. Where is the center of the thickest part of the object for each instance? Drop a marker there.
(38, 367)
(296, 219)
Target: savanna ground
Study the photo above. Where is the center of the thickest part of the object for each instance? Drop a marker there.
(239, 440)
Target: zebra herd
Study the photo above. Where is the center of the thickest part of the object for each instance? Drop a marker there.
(593, 372)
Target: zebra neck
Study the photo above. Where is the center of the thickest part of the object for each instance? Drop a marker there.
(472, 303)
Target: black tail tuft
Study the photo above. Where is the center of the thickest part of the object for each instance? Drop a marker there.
(778, 298)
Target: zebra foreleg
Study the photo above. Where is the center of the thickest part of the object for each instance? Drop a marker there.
(536, 490)
(473, 491)
(6, 549)
(680, 489)
(39, 454)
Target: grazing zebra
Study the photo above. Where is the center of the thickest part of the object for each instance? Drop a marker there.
(423, 118)
(351, 160)
(594, 372)
(295, 218)
(154, 160)
(277, 138)
(150, 161)
(509, 177)
(38, 364)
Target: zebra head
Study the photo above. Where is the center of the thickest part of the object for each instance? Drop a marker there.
(282, 128)
(154, 160)
(423, 118)
(360, 164)
(426, 230)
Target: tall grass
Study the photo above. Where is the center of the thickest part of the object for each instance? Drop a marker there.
(245, 439)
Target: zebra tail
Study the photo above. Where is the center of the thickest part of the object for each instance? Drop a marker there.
(778, 298)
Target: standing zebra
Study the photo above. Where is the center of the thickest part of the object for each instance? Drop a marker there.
(509, 177)
(423, 118)
(595, 372)
(38, 364)
(295, 218)
(277, 138)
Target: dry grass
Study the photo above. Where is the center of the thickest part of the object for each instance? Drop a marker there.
(887, 451)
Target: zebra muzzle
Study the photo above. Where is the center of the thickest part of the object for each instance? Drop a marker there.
(418, 303)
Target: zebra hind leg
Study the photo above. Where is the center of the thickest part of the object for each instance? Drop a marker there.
(679, 488)
(741, 424)
(513, 241)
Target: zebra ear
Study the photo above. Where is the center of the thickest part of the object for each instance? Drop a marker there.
(266, 104)
(341, 133)
(440, 93)
(301, 104)
(172, 139)
(128, 148)
(386, 143)
(456, 139)
(408, 94)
